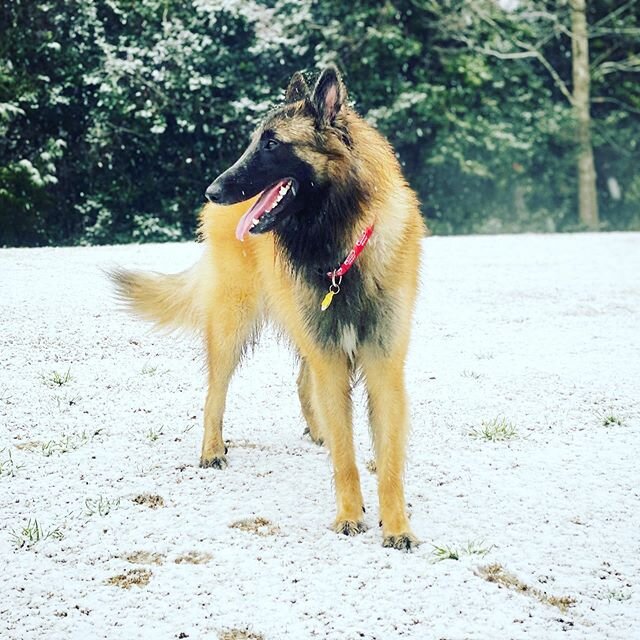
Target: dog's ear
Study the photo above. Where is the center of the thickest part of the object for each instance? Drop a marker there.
(297, 89)
(329, 95)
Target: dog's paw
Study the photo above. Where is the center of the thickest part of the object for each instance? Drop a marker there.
(349, 527)
(319, 440)
(402, 542)
(218, 462)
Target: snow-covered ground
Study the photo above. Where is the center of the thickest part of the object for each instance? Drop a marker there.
(536, 338)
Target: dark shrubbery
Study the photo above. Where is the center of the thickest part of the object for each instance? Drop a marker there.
(115, 115)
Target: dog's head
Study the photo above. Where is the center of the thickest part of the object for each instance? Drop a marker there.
(299, 148)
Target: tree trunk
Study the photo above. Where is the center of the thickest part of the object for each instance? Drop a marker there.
(587, 195)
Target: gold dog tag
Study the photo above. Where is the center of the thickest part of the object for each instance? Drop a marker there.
(334, 288)
(326, 301)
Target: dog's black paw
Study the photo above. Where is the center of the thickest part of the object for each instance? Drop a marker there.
(219, 462)
(402, 542)
(350, 527)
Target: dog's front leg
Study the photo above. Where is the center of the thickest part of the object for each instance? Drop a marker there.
(226, 336)
(331, 399)
(389, 425)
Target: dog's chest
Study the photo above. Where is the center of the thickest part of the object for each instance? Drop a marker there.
(356, 315)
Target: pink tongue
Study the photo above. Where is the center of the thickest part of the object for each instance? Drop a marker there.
(265, 202)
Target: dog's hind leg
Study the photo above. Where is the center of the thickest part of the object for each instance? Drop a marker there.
(331, 402)
(304, 392)
(226, 336)
(390, 425)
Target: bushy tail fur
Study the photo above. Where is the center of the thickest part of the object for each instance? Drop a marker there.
(168, 300)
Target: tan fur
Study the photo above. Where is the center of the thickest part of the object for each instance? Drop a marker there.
(236, 285)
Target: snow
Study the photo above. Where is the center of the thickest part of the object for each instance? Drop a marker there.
(539, 331)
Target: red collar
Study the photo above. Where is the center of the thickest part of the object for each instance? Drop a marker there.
(336, 274)
(360, 244)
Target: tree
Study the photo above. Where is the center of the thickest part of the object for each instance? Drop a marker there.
(466, 128)
(581, 102)
(114, 115)
(535, 29)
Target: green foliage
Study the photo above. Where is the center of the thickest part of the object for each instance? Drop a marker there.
(487, 139)
(115, 115)
(494, 430)
(32, 533)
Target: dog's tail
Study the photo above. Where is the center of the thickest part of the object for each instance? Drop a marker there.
(170, 301)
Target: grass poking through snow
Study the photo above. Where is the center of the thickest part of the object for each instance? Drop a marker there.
(101, 506)
(148, 370)
(32, 533)
(609, 417)
(56, 378)
(8, 466)
(611, 420)
(66, 401)
(495, 430)
(154, 434)
(62, 444)
(445, 552)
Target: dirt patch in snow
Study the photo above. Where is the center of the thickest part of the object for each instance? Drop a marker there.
(149, 500)
(193, 557)
(240, 634)
(258, 526)
(145, 557)
(137, 577)
(497, 574)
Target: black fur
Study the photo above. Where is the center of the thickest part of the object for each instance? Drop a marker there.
(315, 241)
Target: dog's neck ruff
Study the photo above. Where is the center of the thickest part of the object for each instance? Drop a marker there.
(336, 274)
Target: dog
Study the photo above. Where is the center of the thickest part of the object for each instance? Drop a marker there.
(315, 229)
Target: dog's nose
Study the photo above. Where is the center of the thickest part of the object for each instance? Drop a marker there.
(213, 192)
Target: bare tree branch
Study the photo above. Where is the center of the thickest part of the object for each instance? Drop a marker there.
(556, 77)
(614, 31)
(625, 66)
(545, 15)
(614, 14)
(620, 103)
(526, 50)
(605, 55)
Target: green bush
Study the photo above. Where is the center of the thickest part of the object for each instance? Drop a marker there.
(115, 115)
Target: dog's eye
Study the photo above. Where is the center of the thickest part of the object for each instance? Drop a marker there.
(271, 143)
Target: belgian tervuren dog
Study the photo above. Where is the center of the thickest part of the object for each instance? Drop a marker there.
(315, 229)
